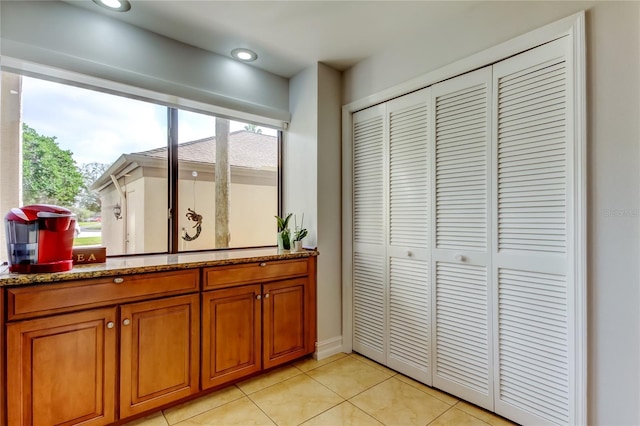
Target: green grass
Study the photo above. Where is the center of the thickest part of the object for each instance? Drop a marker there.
(87, 241)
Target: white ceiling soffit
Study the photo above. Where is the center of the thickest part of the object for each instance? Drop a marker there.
(289, 36)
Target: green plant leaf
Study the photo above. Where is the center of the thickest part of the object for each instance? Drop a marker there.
(283, 223)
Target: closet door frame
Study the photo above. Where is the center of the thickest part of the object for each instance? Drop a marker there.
(572, 26)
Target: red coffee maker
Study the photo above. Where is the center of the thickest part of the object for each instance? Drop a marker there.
(40, 238)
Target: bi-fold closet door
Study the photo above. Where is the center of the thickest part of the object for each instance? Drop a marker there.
(464, 244)
(391, 294)
(503, 258)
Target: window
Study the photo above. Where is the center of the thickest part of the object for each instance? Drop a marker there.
(241, 162)
(108, 158)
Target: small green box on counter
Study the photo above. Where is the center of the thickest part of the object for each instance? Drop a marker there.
(85, 255)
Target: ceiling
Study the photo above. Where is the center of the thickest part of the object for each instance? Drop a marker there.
(292, 35)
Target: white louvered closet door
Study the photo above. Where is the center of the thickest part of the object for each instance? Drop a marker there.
(533, 198)
(408, 237)
(369, 239)
(462, 353)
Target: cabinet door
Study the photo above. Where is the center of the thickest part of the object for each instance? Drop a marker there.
(231, 334)
(62, 369)
(286, 321)
(159, 352)
(461, 131)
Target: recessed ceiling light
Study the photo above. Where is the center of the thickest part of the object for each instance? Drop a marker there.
(115, 5)
(244, 55)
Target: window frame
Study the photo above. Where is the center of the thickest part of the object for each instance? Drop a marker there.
(130, 92)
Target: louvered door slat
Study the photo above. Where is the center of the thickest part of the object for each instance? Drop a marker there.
(541, 159)
(409, 312)
(542, 335)
(368, 181)
(462, 335)
(368, 304)
(461, 168)
(408, 175)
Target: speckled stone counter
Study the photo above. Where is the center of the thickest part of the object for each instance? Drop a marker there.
(154, 263)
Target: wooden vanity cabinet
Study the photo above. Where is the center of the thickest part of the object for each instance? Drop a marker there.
(100, 351)
(250, 327)
(63, 367)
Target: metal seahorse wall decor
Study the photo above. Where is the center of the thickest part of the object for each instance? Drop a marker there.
(195, 217)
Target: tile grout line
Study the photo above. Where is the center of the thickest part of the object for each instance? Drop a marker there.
(326, 387)
(210, 409)
(451, 408)
(440, 415)
(366, 412)
(348, 399)
(264, 412)
(272, 384)
(480, 408)
(282, 381)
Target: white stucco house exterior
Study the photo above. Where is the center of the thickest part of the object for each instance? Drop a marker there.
(137, 182)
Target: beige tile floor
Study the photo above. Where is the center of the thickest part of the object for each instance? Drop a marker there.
(340, 390)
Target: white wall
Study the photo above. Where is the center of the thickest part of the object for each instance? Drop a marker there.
(329, 185)
(300, 152)
(477, 28)
(312, 185)
(613, 73)
(74, 39)
(613, 91)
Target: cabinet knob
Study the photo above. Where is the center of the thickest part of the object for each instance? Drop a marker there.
(118, 280)
(263, 264)
(266, 296)
(110, 324)
(126, 321)
(409, 253)
(258, 297)
(459, 258)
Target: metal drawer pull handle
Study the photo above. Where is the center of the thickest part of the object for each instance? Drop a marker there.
(263, 264)
(126, 321)
(258, 297)
(266, 296)
(110, 324)
(118, 280)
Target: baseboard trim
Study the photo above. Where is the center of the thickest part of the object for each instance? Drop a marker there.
(328, 347)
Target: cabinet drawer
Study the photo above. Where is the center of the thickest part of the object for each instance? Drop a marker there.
(225, 276)
(27, 302)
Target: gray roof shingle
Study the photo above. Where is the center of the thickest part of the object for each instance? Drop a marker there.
(246, 149)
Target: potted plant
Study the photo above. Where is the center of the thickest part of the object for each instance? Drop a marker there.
(284, 235)
(299, 234)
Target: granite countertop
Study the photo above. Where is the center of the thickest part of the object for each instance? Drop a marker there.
(127, 265)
